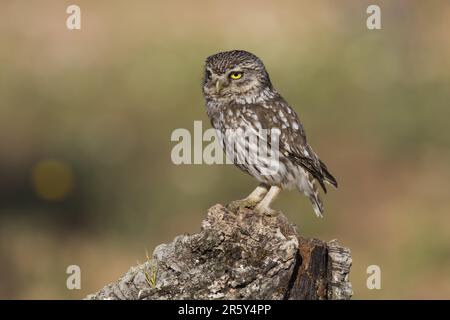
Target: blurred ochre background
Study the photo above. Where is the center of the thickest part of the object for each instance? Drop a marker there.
(86, 118)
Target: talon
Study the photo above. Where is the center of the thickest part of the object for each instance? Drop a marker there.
(251, 201)
(239, 204)
(267, 211)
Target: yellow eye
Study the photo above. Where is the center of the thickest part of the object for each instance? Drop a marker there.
(236, 75)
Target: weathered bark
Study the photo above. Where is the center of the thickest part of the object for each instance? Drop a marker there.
(240, 255)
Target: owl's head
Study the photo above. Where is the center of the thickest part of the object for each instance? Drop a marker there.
(234, 74)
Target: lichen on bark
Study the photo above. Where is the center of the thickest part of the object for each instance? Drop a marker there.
(238, 255)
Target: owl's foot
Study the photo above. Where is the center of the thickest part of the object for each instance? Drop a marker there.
(264, 206)
(266, 211)
(249, 203)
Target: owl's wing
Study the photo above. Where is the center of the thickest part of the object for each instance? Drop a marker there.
(277, 114)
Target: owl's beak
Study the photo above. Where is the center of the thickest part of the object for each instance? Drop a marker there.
(219, 86)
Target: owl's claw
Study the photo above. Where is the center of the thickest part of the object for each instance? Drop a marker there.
(243, 203)
(266, 211)
(251, 201)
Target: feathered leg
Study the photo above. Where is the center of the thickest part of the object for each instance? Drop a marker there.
(264, 205)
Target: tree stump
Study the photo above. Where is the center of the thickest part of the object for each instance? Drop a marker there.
(239, 255)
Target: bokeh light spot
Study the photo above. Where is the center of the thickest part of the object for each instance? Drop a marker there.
(52, 180)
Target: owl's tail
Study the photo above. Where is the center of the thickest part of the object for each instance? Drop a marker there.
(316, 204)
(328, 177)
(314, 196)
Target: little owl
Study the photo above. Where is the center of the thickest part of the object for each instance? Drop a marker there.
(240, 99)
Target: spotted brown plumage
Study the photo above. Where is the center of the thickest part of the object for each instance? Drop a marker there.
(242, 104)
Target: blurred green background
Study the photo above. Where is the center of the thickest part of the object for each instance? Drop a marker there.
(86, 117)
